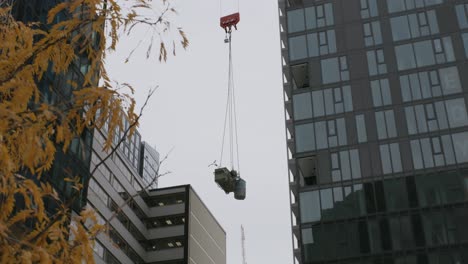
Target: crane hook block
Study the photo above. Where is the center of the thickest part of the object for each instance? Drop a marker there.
(230, 181)
(229, 21)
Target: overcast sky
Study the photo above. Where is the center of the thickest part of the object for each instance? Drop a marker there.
(187, 114)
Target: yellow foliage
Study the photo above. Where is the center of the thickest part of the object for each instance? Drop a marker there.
(34, 125)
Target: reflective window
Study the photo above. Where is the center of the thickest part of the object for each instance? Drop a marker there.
(98, 249)
(465, 43)
(396, 194)
(381, 92)
(391, 159)
(345, 165)
(460, 142)
(436, 116)
(319, 135)
(376, 62)
(435, 229)
(456, 111)
(334, 70)
(305, 137)
(310, 206)
(430, 84)
(439, 188)
(326, 201)
(302, 106)
(432, 152)
(336, 132)
(456, 225)
(307, 236)
(312, 243)
(385, 121)
(332, 101)
(326, 134)
(321, 43)
(319, 16)
(98, 192)
(424, 53)
(361, 128)
(297, 48)
(402, 232)
(414, 25)
(372, 33)
(296, 20)
(369, 8)
(402, 5)
(462, 15)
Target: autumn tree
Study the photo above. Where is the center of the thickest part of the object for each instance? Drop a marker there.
(37, 121)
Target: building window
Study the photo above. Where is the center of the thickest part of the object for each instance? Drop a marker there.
(369, 8)
(432, 152)
(414, 25)
(424, 53)
(165, 243)
(316, 44)
(297, 48)
(460, 143)
(436, 116)
(98, 249)
(372, 33)
(305, 137)
(345, 165)
(335, 70)
(385, 122)
(429, 84)
(376, 62)
(310, 206)
(322, 102)
(319, 16)
(439, 188)
(403, 5)
(300, 76)
(381, 92)
(302, 104)
(462, 15)
(465, 43)
(296, 20)
(321, 135)
(390, 156)
(361, 128)
(321, 43)
(98, 192)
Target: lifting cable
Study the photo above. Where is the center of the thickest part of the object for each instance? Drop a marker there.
(230, 116)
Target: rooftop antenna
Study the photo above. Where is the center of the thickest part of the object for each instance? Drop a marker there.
(244, 258)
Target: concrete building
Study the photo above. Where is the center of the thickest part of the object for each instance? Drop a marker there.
(163, 226)
(377, 129)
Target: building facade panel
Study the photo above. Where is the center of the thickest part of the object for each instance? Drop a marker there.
(207, 240)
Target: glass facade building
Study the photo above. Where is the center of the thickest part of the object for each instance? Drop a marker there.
(377, 129)
(56, 89)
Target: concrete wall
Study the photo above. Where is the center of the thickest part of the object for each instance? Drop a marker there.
(207, 239)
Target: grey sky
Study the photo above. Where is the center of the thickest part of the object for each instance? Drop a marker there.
(188, 110)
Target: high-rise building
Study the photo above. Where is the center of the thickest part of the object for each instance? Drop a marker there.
(377, 129)
(56, 89)
(147, 225)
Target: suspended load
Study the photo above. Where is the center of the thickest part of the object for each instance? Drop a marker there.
(230, 180)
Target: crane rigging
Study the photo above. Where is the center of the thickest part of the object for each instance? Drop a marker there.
(229, 179)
